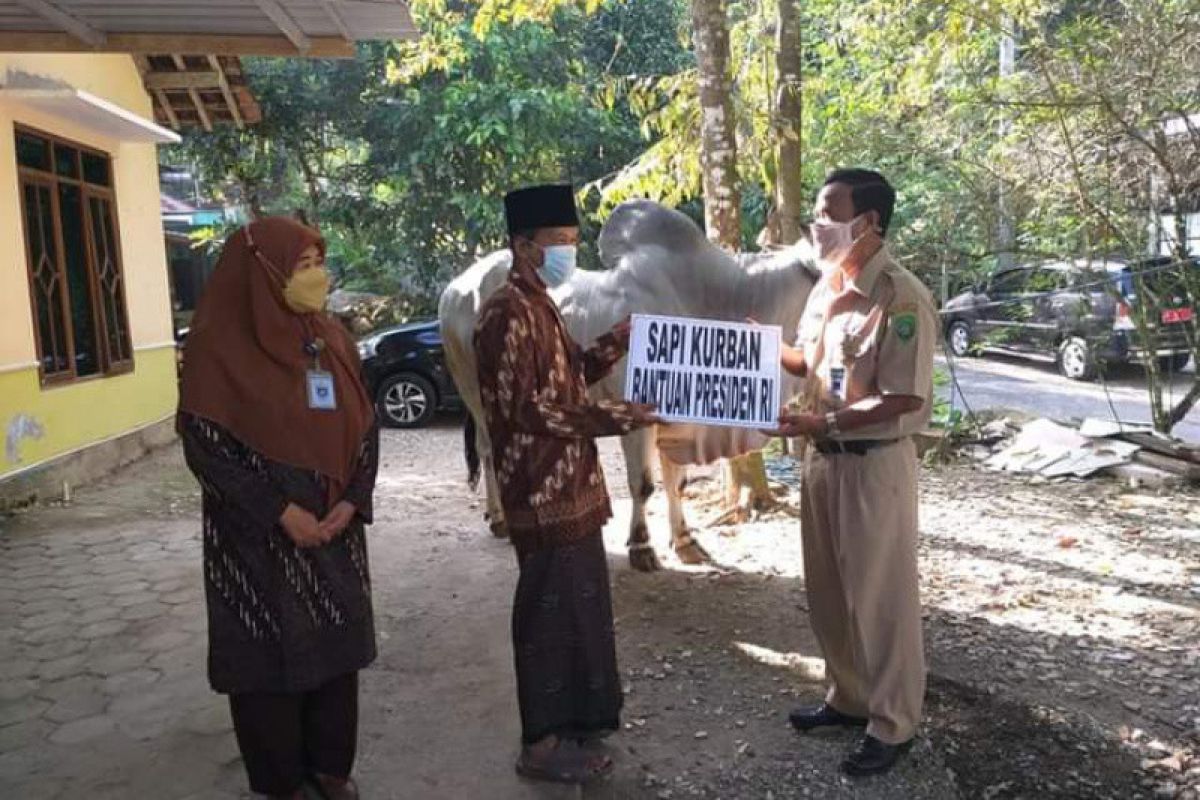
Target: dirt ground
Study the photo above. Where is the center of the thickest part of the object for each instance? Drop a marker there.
(1062, 627)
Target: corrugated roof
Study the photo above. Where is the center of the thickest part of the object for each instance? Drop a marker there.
(223, 27)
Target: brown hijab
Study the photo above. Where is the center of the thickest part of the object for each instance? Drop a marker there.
(245, 366)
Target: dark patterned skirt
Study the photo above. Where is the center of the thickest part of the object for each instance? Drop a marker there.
(567, 680)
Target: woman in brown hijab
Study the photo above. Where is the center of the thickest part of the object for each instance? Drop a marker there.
(280, 432)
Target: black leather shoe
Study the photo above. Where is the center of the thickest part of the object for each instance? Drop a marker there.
(873, 757)
(822, 716)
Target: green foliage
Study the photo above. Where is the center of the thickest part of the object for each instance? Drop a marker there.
(403, 154)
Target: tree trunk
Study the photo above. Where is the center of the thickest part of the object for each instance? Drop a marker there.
(718, 153)
(789, 200)
(745, 478)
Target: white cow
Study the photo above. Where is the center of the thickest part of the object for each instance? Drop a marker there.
(659, 262)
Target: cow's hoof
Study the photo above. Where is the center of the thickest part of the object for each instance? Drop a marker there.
(690, 551)
(499, 530)
(643, 558)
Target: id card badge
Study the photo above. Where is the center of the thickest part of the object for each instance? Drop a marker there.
(837, 382)
(321, 394)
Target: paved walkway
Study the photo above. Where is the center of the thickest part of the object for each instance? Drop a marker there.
(103, 691)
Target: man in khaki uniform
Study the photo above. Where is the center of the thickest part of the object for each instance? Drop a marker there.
(865, 343)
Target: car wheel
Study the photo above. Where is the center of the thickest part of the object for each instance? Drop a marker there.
(406, 401)
(1175, 363)
(1075, 360)
(958, 337)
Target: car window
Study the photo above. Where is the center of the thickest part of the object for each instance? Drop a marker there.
(1012, 282)
(1045, 280)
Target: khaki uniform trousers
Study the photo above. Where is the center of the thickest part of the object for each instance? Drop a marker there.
(859, 528)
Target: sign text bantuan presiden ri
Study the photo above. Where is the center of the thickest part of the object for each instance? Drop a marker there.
(705, 371)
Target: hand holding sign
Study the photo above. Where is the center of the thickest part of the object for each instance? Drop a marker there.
(621, 332)
(792, 425)
(645, 414)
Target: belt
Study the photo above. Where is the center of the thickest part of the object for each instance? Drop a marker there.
(857, 447)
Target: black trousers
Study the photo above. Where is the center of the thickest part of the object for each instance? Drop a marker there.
(286, 737)
(564, 643)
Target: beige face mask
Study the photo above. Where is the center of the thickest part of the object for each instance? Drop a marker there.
(307, 291)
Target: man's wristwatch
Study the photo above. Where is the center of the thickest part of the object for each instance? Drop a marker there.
(831, 424)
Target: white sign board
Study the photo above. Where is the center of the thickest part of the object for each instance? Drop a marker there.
(705, 371)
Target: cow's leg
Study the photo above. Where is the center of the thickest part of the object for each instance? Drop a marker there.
(683, 542)
(636, 449)
(495, 512)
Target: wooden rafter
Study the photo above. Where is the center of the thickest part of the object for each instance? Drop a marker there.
(183, 80)
(287, 26)
(160, 97)
(234, 109)
(336, 16)
(197, 101)
(75, 27)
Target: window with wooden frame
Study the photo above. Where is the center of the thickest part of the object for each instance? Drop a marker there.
(72, 249)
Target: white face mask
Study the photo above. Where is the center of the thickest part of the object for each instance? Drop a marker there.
(833, 240)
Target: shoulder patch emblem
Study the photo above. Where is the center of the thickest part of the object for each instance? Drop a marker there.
(904, 322)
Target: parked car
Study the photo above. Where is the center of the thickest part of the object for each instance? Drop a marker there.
(406, 373)
(1075, 314)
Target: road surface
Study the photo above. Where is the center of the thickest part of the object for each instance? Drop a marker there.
(994, 382)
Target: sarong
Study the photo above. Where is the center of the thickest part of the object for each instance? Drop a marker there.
(564, 643)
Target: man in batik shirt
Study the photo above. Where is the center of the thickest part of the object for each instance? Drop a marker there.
(533, 382)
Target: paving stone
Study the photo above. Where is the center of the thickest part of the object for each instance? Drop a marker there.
(50, 633)
(133, 587)
(154, 557)
(33, 759)
(138, 679)
(53, 650)
(113, 664)
(143, 611)
(23, 734)
(22, 710)
(33, 569)
(146, 724)
(210, 721)
(195, 625)
(76, 707)
(39, 602)
(166, 641)
(180, 661)
(102, 629)
(168, 585)
(97, 612)
(159, 696)
(47, 618)
(39, 788)
(134, 599)
(19, 668)
(108, 548)
(82, 730)
(182, 597)
(16, 688)
(63, 667)
(68, 687)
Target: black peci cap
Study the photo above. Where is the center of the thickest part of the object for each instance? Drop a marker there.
(550, 206)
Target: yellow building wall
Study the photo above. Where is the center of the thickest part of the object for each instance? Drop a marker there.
(39, 423)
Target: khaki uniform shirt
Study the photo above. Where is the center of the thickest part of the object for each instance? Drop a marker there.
(880, 330)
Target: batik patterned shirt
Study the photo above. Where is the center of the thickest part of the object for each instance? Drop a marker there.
(533, 381)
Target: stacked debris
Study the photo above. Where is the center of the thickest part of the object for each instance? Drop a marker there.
(1098, 447)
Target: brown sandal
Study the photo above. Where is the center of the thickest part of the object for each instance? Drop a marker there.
(566, 763)
(331, 788)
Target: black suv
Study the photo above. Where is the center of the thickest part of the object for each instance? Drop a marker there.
(406, 374)
(1075, 314)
